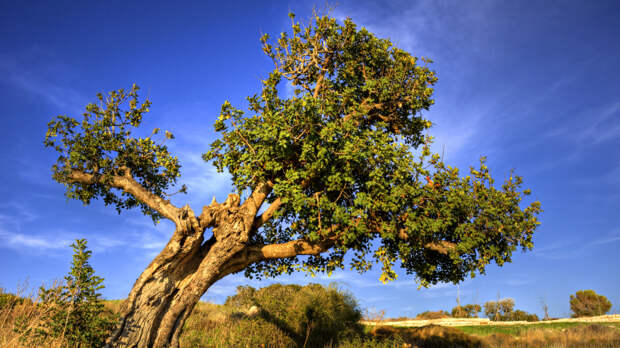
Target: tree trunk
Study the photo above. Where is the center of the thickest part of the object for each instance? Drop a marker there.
(167, 291)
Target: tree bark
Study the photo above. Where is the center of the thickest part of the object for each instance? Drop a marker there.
(167, 291)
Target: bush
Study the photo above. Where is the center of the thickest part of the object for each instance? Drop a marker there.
(466, 311)
(587, 303)
(312, 315)
(520, 315)
(433, 315)
(9, 301)
(74, 310)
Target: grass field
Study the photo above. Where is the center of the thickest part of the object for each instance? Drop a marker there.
(212, 325)
(520, 329)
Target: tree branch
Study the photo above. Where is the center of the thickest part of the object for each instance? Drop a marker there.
(265, 216)
(289, 249)
(442, 247)
(128, 184)
(258, 196)
(256, 253)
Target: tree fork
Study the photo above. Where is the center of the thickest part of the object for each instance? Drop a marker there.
(168, 290)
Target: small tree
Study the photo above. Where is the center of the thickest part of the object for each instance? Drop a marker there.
(587, 303)
(74, 310)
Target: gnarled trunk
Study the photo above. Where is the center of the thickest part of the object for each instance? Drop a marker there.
(167, 291)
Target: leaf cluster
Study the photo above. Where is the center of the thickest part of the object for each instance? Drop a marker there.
(349, 162)
(101, 144)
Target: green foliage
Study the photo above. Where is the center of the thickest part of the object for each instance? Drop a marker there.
(520, 315)
(350, 161)
(312, 315)
(503, 310)
(347, 156)
(237, 331)
(74, 310)
(8, 301)
(587, 303)
(466, 311)
(499, 310)
(102, 145)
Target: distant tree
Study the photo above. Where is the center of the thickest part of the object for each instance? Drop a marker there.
(74, 310)
(466, 311)
(545, 307)
(504, 310)
(520, 315)
(587, 303)
(500, 309)
(343, 165)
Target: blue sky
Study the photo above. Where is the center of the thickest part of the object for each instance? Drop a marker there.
(532, 85)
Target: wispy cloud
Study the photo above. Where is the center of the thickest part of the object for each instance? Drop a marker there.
(591, 128)
(19, 241)
(575, 248)
(38, 84)
(202, 179)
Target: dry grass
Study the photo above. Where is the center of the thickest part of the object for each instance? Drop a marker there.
(19, 315)
(443, 321)
(213, 325)
(583, 336)
(594, 335)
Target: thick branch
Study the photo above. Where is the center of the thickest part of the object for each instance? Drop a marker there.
(131, 186)
(442, 247)
(259, 195)
(257, 253)
(265, 216)
(288, 249)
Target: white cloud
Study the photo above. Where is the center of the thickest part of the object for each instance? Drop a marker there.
(20, 241)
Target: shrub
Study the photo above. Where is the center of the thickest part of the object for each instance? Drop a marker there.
(312, 315)
(587, 303)
(520, 315)
(433, 315)
(466, 311)
(74, 310)
(9, 301)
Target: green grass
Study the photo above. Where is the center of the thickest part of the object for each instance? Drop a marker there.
(519, 329)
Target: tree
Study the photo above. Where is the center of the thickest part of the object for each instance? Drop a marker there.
(74, 310)
(545, 307)
(466, 311)
(504, 310)
(344, 166)
(499, 310)
(587, 303)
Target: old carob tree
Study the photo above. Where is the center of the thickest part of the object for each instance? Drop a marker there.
(343, 166)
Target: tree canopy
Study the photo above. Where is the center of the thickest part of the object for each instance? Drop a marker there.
(587, 303)
(346, 158)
